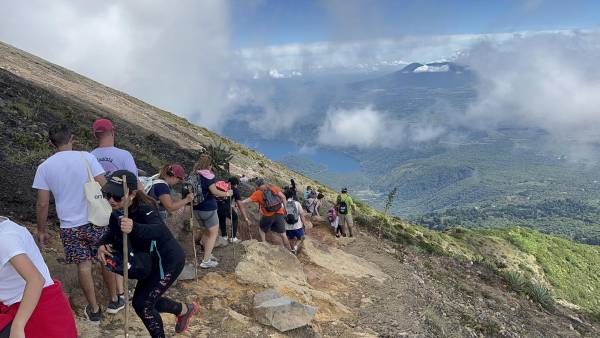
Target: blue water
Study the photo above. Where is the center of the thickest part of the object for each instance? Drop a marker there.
(336, 162)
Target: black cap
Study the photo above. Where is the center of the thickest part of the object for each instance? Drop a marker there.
(114, 186)
(259, 182)
(344, 190)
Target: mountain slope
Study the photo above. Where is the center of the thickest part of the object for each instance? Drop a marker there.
(445, 283)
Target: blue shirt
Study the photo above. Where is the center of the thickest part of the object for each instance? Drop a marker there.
(157, 190)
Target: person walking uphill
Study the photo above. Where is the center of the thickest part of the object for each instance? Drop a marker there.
(64, 174)
(169, 176)
(110, 157)
(345, 206)
(226, 210)
(205, 207)
(31, 303)
(270, 199)
(147, 234)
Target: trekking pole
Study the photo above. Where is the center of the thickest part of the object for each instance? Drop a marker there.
(193, 240)
(231, 219)
(126, 257)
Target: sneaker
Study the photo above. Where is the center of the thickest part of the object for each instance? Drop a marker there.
(235, 240)
(115, 307)
(225, 238)
(209, 264)
(213, 258)
(93, 317)
(184, 321)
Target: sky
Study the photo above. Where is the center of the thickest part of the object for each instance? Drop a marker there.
(198, 59)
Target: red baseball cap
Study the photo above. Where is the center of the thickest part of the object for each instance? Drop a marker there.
(178, 171)
(102, 126)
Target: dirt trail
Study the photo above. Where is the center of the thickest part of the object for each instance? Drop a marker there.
(421, 296)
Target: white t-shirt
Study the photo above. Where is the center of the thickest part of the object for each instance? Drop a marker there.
(113, 159)
(64, 174)
(297, 225)
(16, 240)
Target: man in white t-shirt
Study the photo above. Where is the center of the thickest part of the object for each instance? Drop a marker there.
(112, 159)
(64, 174)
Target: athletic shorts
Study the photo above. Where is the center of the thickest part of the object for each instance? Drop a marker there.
(347, 219)
(81, 243)
(208, 219)
(275, 223)
(295, 234)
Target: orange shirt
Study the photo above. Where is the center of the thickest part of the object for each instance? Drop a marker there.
(259, 198)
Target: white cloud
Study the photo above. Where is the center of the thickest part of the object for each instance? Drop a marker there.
(366, 127)
(549, 82)
(173, 55)
(432, 69)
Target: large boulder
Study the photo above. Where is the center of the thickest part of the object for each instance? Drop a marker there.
(340, 262)
(284, 314)
(272, 266)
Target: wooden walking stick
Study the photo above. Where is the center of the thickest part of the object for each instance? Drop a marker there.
(231, 219)
(126, 257)
(193, 240)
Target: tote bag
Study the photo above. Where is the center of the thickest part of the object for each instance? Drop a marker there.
(98, 208)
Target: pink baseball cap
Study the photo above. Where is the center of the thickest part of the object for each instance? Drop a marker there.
(102, 126)
(178, 171)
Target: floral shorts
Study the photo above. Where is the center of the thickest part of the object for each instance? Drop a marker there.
(81, 243)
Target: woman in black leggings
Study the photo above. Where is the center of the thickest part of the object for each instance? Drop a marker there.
(147, 233)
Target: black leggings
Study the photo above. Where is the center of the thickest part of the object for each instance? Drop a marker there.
(6, 331)
(223, 212)
(147, 298)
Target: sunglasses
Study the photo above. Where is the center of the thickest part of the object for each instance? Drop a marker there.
(108, 196)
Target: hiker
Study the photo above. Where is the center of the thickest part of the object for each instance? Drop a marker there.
(64, 174)
(244, 179)
(294, 222)
(32, 304)
(310, 201)
(344, 207)
(206, 208)
(293, 189)
(334, 221)
(111, 159)
(147, 234)
(309, 191)
(270, 199)
(225, 207)
(160, 189)
(317, 204)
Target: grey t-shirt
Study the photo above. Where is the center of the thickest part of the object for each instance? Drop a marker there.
(113, 159)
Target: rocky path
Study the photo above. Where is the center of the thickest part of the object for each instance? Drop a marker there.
(362, 287)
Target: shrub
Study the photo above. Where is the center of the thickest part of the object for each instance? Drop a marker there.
(516, 281)
(220, 155)
(540, 294)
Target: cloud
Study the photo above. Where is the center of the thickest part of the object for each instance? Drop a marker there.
(366, 127)
(547, 81)
(173, 55)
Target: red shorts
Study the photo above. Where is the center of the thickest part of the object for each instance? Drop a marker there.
(52, 316)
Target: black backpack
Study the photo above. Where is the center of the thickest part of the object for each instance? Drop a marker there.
(272, 201)
(342, 206)
(292, 213)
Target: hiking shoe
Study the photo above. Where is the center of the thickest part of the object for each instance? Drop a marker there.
(213, 258)
(115, 307)
(184, 321)
(93, 317)
(235, 240)
(209, 264)
(225, 238)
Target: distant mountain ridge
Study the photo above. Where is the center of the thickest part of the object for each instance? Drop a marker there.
(429, 75)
